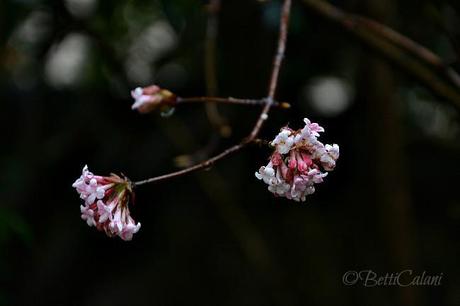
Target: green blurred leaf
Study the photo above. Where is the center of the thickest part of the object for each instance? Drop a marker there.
(12, 224)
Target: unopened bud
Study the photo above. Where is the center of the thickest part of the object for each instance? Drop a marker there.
(285, 105)
(152, 97)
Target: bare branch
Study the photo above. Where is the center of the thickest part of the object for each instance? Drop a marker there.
(220, 125)
(231, 100)
(284, 21)
(412, 57)
(206, 164)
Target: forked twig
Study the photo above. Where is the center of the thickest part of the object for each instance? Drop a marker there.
(284, 22)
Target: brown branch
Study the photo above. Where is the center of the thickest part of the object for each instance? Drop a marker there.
(216, 119)
(220, 125)
(284, 21)
(213, 9)
(423, 64)
(203, 165)
(410, 46)
(231, 100)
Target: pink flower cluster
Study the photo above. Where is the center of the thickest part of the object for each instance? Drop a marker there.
(106, 204)
(298, 162)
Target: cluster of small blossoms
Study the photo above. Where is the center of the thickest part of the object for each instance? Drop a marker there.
(149, 98)
(298, 162)
(106, 204)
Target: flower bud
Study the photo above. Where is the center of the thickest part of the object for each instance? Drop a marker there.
(152, 97)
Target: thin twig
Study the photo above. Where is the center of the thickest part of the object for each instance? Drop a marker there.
(203, 165)
(284, 21)
(231, 100)
(219, 123)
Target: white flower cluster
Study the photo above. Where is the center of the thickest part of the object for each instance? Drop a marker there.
(106, 204)
(297, 162)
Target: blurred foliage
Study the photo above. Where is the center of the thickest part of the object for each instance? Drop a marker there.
(11, 225)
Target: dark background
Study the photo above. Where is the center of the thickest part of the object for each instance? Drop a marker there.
(218, 237)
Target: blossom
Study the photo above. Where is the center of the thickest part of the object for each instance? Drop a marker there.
(149, 98)
(87, 215)
(267, 174)
(299, 162)
(283, 141)
(106, 203)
